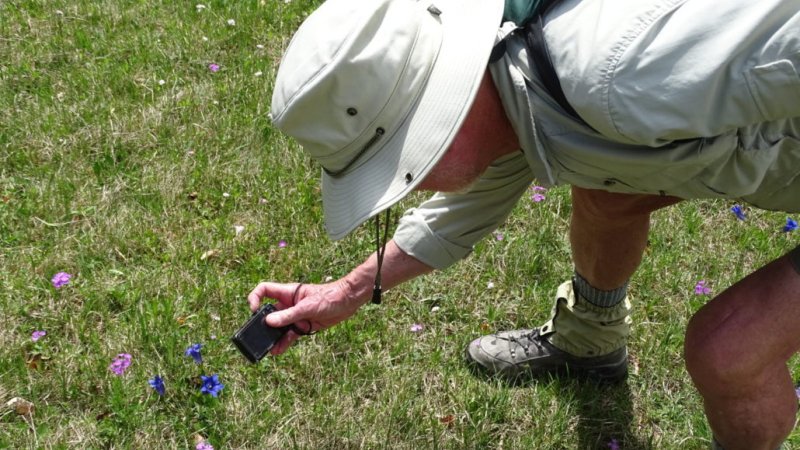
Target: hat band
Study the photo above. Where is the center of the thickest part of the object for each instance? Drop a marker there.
(378, 133)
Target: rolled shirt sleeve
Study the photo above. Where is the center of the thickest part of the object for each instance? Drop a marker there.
(443, 229)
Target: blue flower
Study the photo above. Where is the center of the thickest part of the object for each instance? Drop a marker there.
(738, 211)
(211, 385)
(158, 384)
(194, 351)
(791, 225)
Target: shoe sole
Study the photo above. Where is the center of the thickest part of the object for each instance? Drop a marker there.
(606, 374)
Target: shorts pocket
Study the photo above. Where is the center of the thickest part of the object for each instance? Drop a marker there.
(768, 178)
(775, 88)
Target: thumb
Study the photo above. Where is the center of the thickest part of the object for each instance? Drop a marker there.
(289, 315)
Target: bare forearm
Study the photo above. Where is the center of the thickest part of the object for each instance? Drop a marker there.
(397, 268)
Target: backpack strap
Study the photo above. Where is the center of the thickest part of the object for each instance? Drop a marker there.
(541, 62)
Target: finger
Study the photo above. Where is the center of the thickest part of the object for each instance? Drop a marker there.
(278, 291)
(286, 341)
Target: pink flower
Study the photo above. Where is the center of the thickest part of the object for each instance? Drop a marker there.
(204, 446)
(213, 67)
(36, 335)
(499, 236)
(60, 279)
(416, 328)
(701, 289)
(282, 244)
(120, 363)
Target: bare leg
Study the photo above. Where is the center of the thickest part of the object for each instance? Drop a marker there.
(608, 233)
(736, 351)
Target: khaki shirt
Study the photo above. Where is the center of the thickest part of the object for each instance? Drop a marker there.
(641, 149)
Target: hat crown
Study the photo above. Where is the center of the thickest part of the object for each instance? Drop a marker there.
(353, 68)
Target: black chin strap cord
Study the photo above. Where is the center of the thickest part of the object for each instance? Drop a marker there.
(380, 251)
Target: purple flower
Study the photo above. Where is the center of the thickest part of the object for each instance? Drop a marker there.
(791, 225)
(797, 392)
(60, 279)
(701, 289)
(738, 211)
(499, 236)
(36, 335)
(282, 244)
(158, 384)
(613, 444)
(194, 351)
(120, 363)
(211, 385)
(213, 67)
(204, 446)
(416, 328)
(538, 193)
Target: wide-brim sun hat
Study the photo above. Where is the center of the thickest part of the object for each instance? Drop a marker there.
(376, 90)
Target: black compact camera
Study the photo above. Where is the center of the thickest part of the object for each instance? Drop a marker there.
(256, 338)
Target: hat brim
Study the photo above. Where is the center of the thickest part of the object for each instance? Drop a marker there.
(468, 31)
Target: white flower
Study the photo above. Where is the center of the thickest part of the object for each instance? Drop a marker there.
(161, 82)
(262, 201)
(59, 12)
(258, 74)
(490, 285)
(259, 46)
(231, 22)
(205, 39)
(328, 278)
(435, 308)
(199, 7)
(226, 195)
(238, 229)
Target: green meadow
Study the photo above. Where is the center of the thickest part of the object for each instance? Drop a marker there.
(156, 181)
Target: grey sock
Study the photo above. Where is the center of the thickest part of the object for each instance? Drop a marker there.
(597, 297)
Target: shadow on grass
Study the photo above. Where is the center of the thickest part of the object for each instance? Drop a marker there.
(604, 409)
(605, 414)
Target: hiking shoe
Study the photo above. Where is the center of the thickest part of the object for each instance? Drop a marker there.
(522, 353)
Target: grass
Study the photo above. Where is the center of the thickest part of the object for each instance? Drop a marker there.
(127, 181)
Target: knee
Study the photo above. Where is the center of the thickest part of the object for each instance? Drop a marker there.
(716, 359)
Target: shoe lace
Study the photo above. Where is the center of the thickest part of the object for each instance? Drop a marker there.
(525, 341)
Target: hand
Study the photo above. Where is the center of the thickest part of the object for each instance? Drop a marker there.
(311, 307)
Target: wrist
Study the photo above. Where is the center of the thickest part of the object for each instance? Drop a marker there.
(358, 289)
